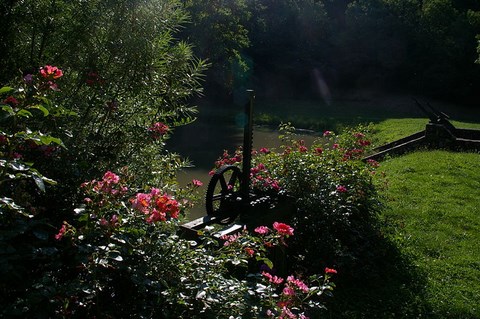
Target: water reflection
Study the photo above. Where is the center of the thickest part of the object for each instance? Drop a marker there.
(203, 141)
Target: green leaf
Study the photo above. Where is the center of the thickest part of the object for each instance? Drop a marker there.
(8, 202)
(39, 181)
(8, 109)
(46, 101)
(5, 89)
(46, 140)
(83, 218)
(267, 261)
(24, 113)
(18, 166)
(49, 181)
(41, 108)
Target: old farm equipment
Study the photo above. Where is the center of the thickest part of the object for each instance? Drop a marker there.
(229, 199)
(439, 133)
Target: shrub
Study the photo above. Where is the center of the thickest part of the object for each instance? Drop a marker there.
(31, 126)
(335, 196)
(29, 119)
(122, 257)
(124, 72)
(119, 254)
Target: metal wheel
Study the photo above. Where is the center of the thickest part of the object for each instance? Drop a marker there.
(223, 194)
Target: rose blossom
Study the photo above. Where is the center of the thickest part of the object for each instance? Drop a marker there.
(11, 101)
(283, 229)
(250, 251)
(110, 177)
(51, 72)
(297, 282)
(61, 232)
(262, 230)
(288, 291)
(197, 183)
(330, 270)
(273, 279)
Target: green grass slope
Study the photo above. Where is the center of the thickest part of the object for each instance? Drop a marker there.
(392, 129)
(430, 265)
(435, 197)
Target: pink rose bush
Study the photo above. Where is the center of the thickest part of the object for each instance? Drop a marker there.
(118, 227)
(335, 198)
(260, 177)
(227, 159)
(102, 192)
(106, 199)
(27, 143)
(293, 296)
(281, 297)
(262, 180)
(157, 206)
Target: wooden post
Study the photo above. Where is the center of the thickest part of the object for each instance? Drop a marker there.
(247, 148)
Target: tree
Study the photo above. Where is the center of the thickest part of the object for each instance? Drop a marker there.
(218, 32)
(287, 43)
(124, 72)
(127, 82)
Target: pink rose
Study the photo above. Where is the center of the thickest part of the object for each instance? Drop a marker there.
(330, 271)
(283, 229)
(341, 189)
(262, 230)
(197, 183)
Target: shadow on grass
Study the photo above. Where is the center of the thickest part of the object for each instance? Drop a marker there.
(375, 278)
(390, 287)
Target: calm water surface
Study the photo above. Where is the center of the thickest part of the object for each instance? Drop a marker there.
(203, 141)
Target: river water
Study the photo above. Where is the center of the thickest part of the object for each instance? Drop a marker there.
(217, 128)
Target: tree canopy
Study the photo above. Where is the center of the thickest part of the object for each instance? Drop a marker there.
(427, 47)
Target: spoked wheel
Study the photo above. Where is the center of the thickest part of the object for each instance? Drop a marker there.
(223, 194)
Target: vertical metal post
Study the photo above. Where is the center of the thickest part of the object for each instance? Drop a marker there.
(247, 146)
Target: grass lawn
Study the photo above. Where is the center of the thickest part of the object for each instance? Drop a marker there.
(381, 110)
(435, 197)
(391, 129)
(432, 213)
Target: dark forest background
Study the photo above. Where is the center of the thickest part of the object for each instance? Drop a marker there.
(285, 48)
(292, 48)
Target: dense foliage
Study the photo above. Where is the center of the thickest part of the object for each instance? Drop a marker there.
(336, 200)
(89, 203)
(218, 32)
(124, 73)
(122, 258)
(76, 245)
(314, 48)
